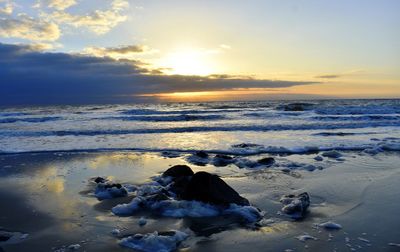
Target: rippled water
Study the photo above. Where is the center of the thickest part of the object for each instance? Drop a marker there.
(216, 126)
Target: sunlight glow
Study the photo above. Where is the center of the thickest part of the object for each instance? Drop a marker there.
(188, 62)
(213, 95)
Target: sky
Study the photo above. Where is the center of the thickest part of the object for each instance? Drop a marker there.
(121, 51)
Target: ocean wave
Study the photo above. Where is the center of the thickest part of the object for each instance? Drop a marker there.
(29, 119)
(343, 133)
(166, 118)
(7, 114)
(358, 110)
(237, 105)
(176, 112)
(257, 128)
(358, 118)
(372, 148)
(261, 114)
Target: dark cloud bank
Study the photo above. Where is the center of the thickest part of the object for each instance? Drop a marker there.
(29, 77)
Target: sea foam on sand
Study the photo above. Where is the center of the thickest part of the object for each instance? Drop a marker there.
(306, 237)
(148, 198)
(184, 208)
(330, 225)
(158, 198)
(154, 241)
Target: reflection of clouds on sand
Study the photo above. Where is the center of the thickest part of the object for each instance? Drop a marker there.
(103, 161)
(49, 185)
(277, 227)
(50, 180)
(124, 167)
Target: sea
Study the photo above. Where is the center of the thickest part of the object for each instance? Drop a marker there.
(239, 128)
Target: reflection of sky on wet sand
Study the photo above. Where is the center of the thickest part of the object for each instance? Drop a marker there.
(49, 179)
(57, 185)
(52, 185)
(104, 161)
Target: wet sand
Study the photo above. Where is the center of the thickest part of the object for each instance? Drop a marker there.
(49, 197)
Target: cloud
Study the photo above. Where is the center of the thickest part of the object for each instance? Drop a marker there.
(328, 76)
(56, 4)
(32, 77)
(26, 27)
(37, 47)
(7, 9)
(53, 16)
(225, 47)
(343, 74)
(127, 51)
(98, 21)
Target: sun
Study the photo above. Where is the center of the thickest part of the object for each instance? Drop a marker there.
(188, 62)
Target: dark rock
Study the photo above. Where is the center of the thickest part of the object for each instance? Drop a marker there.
(296, 205)
(100, 180)
(201, 154)
(181, 175)
(332, 154)
(178, 171)
(170, 154)
(200, 158)
(222, 160)
(167, 233)
(297, 106)
(180, 184)
(119, 186)
(246, 145)
(222, 156)
(268, 161)
(4, 237)
(210, 188)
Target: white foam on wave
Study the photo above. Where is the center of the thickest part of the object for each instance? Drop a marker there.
(68, 129)
(106, 130)
(372, 146)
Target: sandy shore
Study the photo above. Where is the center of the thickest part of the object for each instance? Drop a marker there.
(49, 197)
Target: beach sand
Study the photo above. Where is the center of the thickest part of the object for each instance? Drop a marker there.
(49, 197)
